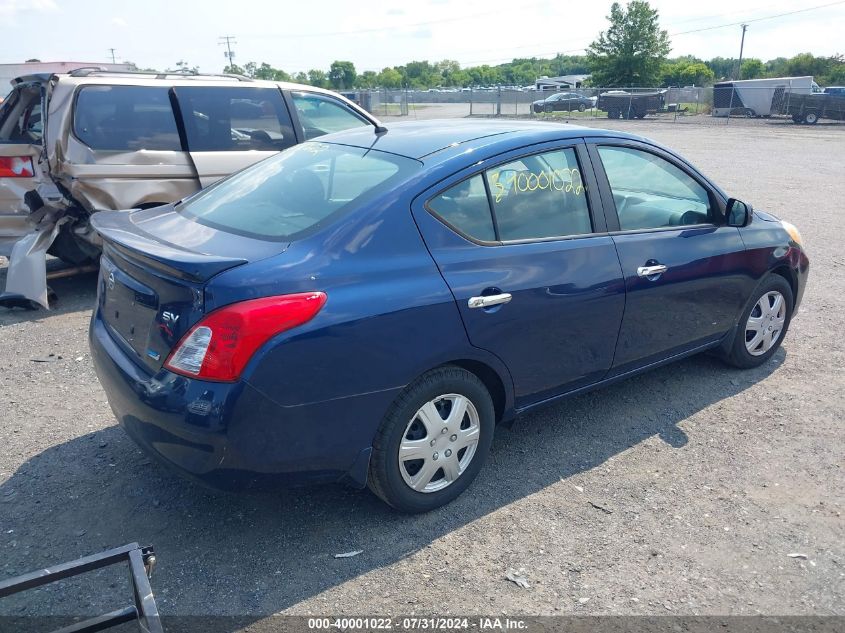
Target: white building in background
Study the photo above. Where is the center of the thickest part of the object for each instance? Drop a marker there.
(564, 82)
(8, 72)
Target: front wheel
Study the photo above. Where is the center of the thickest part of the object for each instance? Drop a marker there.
(581, 107)
(811, 118)
(763, 324)
(433, 441)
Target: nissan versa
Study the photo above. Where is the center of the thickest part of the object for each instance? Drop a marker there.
(369, 306)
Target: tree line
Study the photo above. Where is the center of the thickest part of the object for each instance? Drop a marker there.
(633, 51)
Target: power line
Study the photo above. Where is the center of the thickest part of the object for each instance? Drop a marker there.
(112, 50)
(707, 28)
(228, 40)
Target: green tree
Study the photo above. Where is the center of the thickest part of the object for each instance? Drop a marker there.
(184, 67)
(723, 67)
(631, 51)
(367, 79)
(342, 75)
(318, 78)
(389, 78)
(752, 69)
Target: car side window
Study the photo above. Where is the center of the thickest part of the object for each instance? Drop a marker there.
(127, 118)
(234, 118)
(540, 196)
(322, 115)
(465, 207)
(650, 192)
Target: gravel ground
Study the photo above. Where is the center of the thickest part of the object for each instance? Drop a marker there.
(683, 491)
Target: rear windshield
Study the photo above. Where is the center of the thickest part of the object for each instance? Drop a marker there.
(296, 192)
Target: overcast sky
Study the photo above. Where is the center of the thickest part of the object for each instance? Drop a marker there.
(302, 35)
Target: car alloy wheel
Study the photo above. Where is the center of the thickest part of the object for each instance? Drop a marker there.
(439, 443)
(765, 323)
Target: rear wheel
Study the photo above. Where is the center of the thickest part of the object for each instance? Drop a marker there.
(763, 324)
(433, 441)
(811, 118)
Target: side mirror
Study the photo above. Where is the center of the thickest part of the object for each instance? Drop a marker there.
(738, 213)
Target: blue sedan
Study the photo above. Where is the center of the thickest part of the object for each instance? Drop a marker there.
(368, 307)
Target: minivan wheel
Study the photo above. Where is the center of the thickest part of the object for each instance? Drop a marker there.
(763, 324)
(433, 441)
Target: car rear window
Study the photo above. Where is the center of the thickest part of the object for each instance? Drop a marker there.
(125, 118)
(306, 187)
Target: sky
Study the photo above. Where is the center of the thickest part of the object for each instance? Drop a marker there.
(300, 35)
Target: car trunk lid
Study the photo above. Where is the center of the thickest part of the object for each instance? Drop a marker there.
(153, 273)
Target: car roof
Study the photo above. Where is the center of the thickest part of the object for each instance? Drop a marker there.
(94, 76)
(436, 140)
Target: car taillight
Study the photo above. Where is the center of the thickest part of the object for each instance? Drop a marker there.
(221, 344)
(16, 167)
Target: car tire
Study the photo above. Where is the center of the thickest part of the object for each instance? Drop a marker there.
(404, 424)
(811, 118)
(796, 118)
(613, 114)
(741, 354)
(581, 107)
(548, 109)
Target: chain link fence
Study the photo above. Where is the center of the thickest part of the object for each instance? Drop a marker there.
(721, 105)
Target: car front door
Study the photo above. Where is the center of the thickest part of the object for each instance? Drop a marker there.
(318, 114)
(685, 276)
(535, 276)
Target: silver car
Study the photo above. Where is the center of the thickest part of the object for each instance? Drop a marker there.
(73, 144)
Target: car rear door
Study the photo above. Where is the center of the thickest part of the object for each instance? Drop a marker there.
(523, 247)
(685, 275)
(230, 127)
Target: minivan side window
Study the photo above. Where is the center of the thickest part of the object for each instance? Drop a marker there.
(540, 196)
(650, 192)
(126, 118)
(234, 118)
(322, 115)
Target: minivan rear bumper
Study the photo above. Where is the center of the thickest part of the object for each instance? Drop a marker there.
(228, 436)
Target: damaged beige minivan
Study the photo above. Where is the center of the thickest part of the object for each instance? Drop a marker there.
(73, 144)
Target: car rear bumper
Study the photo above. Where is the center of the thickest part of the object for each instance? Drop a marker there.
(230, 435)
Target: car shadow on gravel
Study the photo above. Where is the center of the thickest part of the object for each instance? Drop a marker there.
(258, 554)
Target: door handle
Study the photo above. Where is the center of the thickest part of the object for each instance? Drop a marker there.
(651, 271)
(489, 300)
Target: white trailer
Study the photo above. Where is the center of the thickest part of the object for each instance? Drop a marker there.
(758, 97)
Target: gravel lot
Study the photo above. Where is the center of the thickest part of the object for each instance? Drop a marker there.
(683, 491)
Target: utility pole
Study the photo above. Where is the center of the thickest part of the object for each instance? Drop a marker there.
(741, 46)
(229, 54)
(111, 50)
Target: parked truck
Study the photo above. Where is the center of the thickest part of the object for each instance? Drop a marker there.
(810, 108)
(758, 97)
(628, 105)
